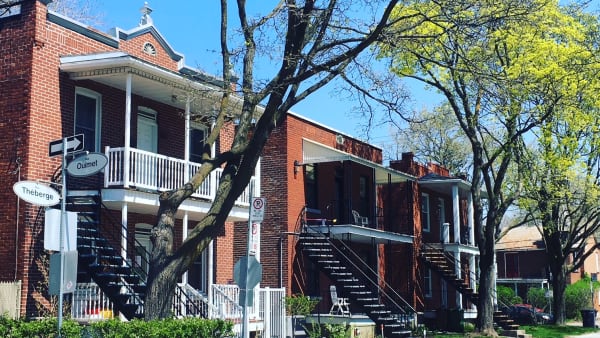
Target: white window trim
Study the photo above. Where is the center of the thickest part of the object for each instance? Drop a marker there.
(428, 281)
(428, 214)
(98, 97)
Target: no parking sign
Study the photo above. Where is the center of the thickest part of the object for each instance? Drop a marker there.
(257, 212)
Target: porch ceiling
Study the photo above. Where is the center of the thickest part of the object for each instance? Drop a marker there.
(313, 152)
(444, 186)
(358, 234)
(148, 80)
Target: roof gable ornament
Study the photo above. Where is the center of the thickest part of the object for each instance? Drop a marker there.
(146, 19)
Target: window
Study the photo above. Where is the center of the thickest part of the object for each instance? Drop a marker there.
(425, 212)
(149, 49)
(147, 130)
(364, 196)
(511, 261)
(442, 218)
(87, 118)
(427, 284)
(310, 186)
(197, 138)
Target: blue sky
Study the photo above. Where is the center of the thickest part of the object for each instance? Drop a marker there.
(192, 28)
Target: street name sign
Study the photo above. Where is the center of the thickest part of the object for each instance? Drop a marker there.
(87, 164)
(36, 193)
(73, 143)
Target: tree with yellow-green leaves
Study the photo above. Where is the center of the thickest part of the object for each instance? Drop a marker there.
(504, 68)
(561, 191)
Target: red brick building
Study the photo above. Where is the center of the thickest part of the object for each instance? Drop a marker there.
(126, 93)
(335, 214)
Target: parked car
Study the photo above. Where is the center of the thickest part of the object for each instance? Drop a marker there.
(527, 314)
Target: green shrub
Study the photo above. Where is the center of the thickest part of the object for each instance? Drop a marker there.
(537, 298)
(299, 305)
(187, 327)
(578, 296)
(507, 296)
(47, 328)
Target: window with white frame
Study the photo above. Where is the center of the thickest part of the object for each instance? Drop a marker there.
(197, 139)
(87, 117)
(427, 284)
(425, 214)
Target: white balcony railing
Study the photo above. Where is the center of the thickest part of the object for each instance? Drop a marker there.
(147, 170)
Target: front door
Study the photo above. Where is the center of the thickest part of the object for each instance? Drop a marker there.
(147, 130)
(143, 248)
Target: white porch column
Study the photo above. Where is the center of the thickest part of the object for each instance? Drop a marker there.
(127, 131)
(446, 232)
(210, 274)
(470, 219)
(455, 213)
(124, 231)
(472, 276)
(457, 271)
(186, 148)
(184, 236)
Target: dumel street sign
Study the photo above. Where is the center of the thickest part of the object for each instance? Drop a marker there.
(87, 164)
(73, 143)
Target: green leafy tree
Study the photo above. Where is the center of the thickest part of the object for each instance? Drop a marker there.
(561, 189)
(502, 67)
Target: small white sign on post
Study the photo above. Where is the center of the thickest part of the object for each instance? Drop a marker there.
(257, 211)
(254, 243)
(52, 230)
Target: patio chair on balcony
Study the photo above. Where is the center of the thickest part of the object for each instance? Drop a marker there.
(359, 220)
(339, 305)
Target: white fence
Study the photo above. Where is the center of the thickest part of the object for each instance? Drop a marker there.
(152, 171)
(10, 299)
(266, 315)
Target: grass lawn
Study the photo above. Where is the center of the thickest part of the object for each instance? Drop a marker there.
(553, 331)
(540, 331)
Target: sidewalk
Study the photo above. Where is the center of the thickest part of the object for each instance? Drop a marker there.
(585, 335)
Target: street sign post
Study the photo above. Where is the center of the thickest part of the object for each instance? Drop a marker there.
(72, 144)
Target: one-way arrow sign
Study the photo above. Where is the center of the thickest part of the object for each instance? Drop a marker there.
(73, 143)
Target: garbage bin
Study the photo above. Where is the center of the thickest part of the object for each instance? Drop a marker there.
(589, 317)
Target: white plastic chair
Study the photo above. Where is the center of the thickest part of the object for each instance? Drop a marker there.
(339, 305)
(359, 220)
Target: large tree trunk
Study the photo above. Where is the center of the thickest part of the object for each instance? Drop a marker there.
(559, 284)
(485, 307)
(160, 293)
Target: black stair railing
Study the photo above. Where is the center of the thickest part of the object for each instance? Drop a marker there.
(191, 306)
(123, 280)
(500, 318)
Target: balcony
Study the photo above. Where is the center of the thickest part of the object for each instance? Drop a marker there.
(137, 176)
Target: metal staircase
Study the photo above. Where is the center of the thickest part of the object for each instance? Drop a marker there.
(100, 261)
(355, 281)
(444, 264)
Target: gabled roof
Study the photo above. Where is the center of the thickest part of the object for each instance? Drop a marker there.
(520, 239)
(141, 30)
